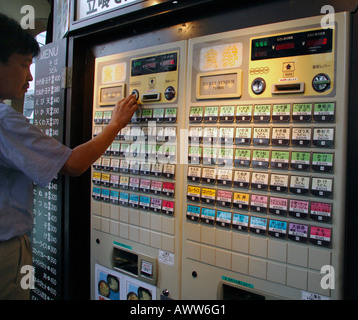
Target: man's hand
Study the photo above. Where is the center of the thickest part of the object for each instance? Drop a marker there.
(84, 155)
(123, 111)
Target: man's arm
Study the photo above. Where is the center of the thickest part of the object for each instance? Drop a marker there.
(84, 155)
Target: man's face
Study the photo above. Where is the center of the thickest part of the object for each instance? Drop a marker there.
(15, 76)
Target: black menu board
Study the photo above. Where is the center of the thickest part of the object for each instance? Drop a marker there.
(47, 202)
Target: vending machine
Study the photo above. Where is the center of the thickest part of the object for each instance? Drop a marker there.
(230, 180)
(136, 205)
(264, 202)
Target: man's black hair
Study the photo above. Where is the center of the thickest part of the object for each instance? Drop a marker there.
(14, 39)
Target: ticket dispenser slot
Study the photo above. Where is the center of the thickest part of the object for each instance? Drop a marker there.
(136, 200)
(140, 266)
(265, 179)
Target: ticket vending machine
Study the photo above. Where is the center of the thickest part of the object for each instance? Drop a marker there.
(265, 182)
(137, 196)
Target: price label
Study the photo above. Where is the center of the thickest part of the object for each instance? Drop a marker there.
(300, 185)
(223, 219)
(320, 236)
(278, 206)
(169, 171)
(123, 198)
(280, 159)
(158, 115)
(147, 115)
(170, 115)
(261, 136)
(210, 134)
(324, 112)
(209, 155)
(208, 195)
(226, 134)
(96, 193)
(105, 194)
(243, 135)
(302, 112)
(260, 158)
(242, 179)
(156, 187)
(259, 203)
(241, 200)
(147, 268)
(125, 134)
(145, 169)
(96, 178)
(244, 113)
(262, 112)
(277, 229)
(144, 185)
(224, 177)
(322, 162)
(280, 136)
(323, 137)
(300, 160)
(240, 221)
(156, 169)
(155, 204)
(114, 197)
(211, 114)
(322, 187)
(209, 175)
(137, 116)
(194, 174)
(125, 149)
(227, 113)
(168, 189)
(321, 211)
(114, 182)
(124, 182)
(106, 164)
(279, 182)
(224, 198)
(133, 200)
(168, 207)
(124, 166)
(134, 167)
(195, 134)
(114, 165)
(301, 136)
(144, 202)
(298, 209)
(134, 184)
(194, 154)
(281, 112)
(258, 225)
(193, 213)
(196, 114)
(193, 193)
(259, 180)
(98, 117)
(298, 232)
(226, 155)
(207, 215)
(242, 157)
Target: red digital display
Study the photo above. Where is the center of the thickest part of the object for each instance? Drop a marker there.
(284, 46)
(317, 42)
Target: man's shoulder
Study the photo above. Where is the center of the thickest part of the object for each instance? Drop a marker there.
(6, 110)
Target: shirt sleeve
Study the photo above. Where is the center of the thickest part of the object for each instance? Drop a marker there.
(26, 148)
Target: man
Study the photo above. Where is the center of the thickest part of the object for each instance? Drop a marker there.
(27, 155)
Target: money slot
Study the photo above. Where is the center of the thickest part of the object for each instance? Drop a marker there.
(288, 88)
(150, 97)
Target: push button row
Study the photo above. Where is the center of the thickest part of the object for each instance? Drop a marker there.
(133, 200)
(301, 112)
(299, 209)
(303, 233)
